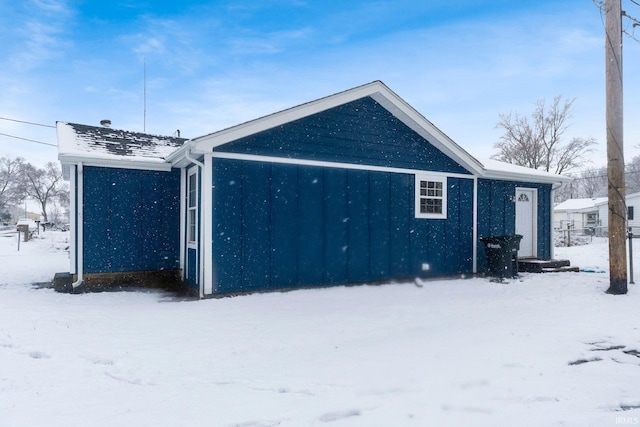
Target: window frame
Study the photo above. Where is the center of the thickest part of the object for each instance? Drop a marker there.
(192, 207)
(630, 213)
(442, 180)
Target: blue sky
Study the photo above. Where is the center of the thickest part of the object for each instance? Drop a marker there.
(214, 64)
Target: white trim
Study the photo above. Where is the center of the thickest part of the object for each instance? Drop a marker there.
(206, 190)
(192, 244)
(551, 240)
(73, 220)
(475, 225)
(419, 178)
(392, 103)
(120, 164)
(423, 127)
(80, 234)
(377, 90)
(183, 222)
(535, 177)
(208, 142)
(193, 170)
(324, 164)
(534, 217)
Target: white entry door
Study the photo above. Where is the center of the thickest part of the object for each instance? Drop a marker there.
(526, 221)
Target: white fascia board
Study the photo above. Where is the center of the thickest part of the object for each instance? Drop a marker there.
(423, 127)
(377, 90)
(120, 164)
(524, 177)
(207, 143)
(387, 99)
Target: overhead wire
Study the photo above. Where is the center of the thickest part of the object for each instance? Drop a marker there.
(29, 140)
(26, 122)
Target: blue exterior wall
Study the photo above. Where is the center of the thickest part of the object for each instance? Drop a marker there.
(359, 132)
(285, 226)
(497, 214)
(131, 220)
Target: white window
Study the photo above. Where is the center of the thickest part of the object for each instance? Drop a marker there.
(431, 197)
(192, 206)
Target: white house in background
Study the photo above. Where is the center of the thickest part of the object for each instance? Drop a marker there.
(585, 214)
(633, 211)
(579, 214)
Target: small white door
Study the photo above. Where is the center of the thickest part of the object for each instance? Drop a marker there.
(526, 219)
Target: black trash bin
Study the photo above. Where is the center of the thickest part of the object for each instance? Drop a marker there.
(502, 254)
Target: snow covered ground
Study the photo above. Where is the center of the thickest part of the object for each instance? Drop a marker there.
(542, 350)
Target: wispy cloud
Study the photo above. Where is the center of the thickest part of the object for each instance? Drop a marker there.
(43, 34)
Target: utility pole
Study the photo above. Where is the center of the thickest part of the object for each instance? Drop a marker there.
(615, 147)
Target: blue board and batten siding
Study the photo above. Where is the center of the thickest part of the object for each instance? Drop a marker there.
(283, 226)
(131, 220)
(288, 225)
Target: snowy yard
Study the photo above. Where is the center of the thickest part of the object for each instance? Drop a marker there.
(543, 350)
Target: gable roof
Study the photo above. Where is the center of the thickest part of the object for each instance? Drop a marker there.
(104, 146)
(392, 103)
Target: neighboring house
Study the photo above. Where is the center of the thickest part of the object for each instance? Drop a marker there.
(633, 211)
(352, 188)
(583, 215)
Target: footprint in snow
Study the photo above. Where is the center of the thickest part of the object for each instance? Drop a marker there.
(39, 355)
(258, 424)
(100, 361)
(338, 415)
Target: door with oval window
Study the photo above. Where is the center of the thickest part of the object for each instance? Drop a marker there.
(526, 221)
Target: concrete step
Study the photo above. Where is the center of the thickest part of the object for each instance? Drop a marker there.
(565, 269)
(540, 266)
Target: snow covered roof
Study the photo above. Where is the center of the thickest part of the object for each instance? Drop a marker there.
(99, 145)
(577, 205)
(501, 170)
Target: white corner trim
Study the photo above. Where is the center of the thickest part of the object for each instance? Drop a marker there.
(206, 191)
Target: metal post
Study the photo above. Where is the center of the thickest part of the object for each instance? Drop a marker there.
(630, 236)
(18, 240)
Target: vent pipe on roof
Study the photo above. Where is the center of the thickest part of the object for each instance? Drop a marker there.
(106, 123)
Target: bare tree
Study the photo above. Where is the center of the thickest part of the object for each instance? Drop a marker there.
(10, 175)
(632, 175)
(537, 142)
(593, 182)
(44, 185)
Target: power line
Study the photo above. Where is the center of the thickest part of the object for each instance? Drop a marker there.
(28, 123)
(30, 140)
